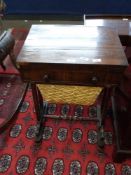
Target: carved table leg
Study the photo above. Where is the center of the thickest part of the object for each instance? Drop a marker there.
(101, 136)
(101, 114)
(41, 110)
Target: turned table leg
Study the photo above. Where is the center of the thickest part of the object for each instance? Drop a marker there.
(41, 110)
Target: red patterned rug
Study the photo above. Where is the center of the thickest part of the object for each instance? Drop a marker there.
(69, 147)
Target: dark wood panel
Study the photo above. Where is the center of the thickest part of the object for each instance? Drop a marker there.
(72, 74)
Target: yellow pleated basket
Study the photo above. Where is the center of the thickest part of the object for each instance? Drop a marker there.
(83, 95)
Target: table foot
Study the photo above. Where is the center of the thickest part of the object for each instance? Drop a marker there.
(40, 128)
(101, 137)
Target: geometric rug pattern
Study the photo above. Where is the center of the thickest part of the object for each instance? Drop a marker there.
(68, 147)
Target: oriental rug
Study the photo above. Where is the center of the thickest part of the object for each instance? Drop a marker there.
(68, 146)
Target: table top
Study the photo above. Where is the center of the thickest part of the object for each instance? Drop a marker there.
(72, 44)
(122, 26)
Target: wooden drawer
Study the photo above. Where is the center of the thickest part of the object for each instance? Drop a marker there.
(70, 74)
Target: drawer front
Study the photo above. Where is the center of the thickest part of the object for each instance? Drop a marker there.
(71, 78)
(91, 78)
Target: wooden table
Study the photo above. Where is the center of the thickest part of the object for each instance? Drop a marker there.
(67, 54)
(74, 55)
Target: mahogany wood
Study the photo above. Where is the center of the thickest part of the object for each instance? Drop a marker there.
(121, 26)
(67, 54)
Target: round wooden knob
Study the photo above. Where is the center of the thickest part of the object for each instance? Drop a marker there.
(94, 79)
(46, 78)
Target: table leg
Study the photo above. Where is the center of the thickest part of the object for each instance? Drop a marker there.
(101, 114)
(41, 110)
